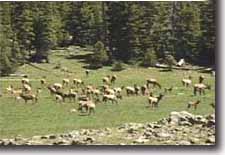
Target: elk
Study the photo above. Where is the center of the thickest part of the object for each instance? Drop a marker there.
(57, 86)
(130, 90)
(78, 82)
(30, 96)
(187, 82)
(153, 82)
(200, 87)
(111, 98)
(25, 81)
(154, 101)
(144, 90)
(65, 82)
(51, 89)
(113, 79)
(137, 89)
(193, 104)
(43, 81)
(87, 72)
(201, 78)
(59, 98)
(88, 105)
(26, 88)
(106, 80)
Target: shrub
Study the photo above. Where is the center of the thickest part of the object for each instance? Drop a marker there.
(170, 61)
(150, 58)
(118, 66)
(100, 57)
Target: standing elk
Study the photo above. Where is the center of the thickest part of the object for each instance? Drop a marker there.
(193, 104)
(153, 82)
(187, 82)
(154, 101)
(200, 88)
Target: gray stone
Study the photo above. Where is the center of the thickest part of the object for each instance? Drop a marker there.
(183, 142)
(194, 140)
(210, 140)
(52, 136)
(141, 140)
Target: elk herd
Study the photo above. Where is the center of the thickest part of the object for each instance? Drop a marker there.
(88, 96)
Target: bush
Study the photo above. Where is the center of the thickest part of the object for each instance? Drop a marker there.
(118, 66)
(150, 58)
(170, 61)
(100, 57)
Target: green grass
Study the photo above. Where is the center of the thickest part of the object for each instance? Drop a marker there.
(49, 117)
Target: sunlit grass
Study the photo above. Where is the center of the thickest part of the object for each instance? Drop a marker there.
(50, 117)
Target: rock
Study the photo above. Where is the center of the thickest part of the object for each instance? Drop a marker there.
(44, 137)
(183, 142)
(200, 119)
(194, 140)
(76, 142)
(140, 140)
(61, 142)
(52, 136)
(163, 135)
(132, 130)
(174, 118)
(209, 124)
(210, 140)
(107, 129)
(74, 133)
(185, 123)
(148, 134)
(89, 139)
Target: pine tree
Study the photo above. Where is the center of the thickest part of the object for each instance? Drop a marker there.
(100, 56)
(118, 30)
(22, 25)
(45, 34)
(207, 42)
(9, 50)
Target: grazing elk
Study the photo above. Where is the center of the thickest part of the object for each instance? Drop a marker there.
(154, 101)
(111, 98)
(88, 105)
(65, 82)
(113, 79)
(78, 82)
(153, 82)
(130, 90)
(201, 78)
(87, 72)
(187, 82)
(30, 96)
(193, 104)
(106, 80)
(200, 88)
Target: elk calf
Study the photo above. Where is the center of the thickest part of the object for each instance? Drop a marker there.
(193, 104)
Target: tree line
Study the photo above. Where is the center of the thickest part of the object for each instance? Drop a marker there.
(120, 31)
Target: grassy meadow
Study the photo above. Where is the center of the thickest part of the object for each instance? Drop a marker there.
(47, 116)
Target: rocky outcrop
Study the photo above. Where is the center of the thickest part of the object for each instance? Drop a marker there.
(180, 128)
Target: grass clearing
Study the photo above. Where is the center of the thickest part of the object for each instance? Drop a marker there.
(49, 117)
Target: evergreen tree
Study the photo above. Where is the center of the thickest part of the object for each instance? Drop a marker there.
(9, 50)
(207, 42)
(100, 56)
(22, 25)
(118, 30)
